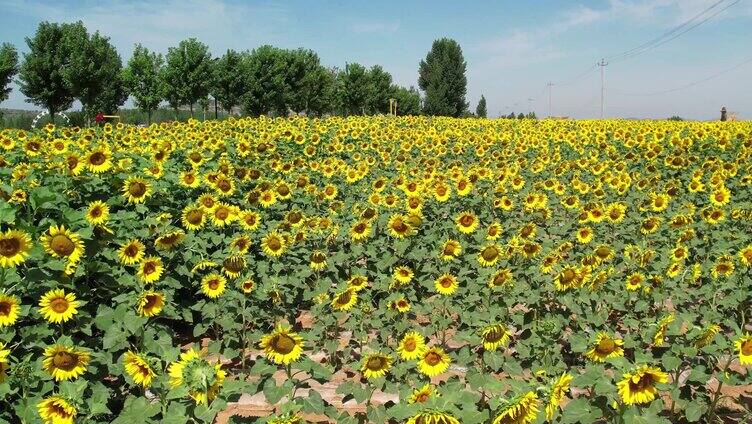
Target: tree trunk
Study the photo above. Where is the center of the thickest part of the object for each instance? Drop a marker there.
(191, 108)
(148, 117)
(52, 115)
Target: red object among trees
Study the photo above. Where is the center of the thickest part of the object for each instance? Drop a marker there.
(99, 118)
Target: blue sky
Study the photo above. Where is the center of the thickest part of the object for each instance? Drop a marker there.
(513, 48)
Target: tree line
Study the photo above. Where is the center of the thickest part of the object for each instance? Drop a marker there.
(65, 63)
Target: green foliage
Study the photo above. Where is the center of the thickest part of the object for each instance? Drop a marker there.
(228, 81)
(379, 91)
(142, 77)
(266, 88)
(353, 89)
(408, 100)
(442, 77)
(187, 75)
(43, 74)
(94, 72)
(8, 68)
(308, 84)
(480, 110)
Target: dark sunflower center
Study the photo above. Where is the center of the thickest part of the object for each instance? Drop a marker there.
(282, 343)
(65, 360)
(224, 185)
(233, 264)
(222, 213)
(446, 282)
(376, 363)
(195, 157)
(137, 189)
(10, 247)
(274, 244)
(194, 217)
(567, 276)
(530, 248)
(490, 253)
(97, 158)
(96, 212)
(318, 258)
(59, 305)
(410, 344)
(422, 397)
(250, 219)
(190, 178)
(602, 252)
(605, 346)
(62, 245)
(494, 335)
(432, 358)
(719, 197)
(5, 309)
(208, 202)
(344, 298)
(368, 213)
(467, 220)
(150, 268)
(500, 279)
(284, 190)
(58, 411)
(213, 284)
(131, 251)
(72, 162)
(747, 347)
(645, 381)
(151, 301)
(399, 226)
(360, 227)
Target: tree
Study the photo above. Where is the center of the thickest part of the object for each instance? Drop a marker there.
(408, 100)
(480, 110)
(308, 84)
(228, 80)
(442, 77)
(264, 72)
(94, 71)
(8, 68)
(143, 79)
(188, 73)
(353, 89)
(379, 90)
(43, 72)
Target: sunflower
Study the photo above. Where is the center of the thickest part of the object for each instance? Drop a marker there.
(249, 220)
(282, 346)
(522, 409)
(494, 336)
(446, 284)
(585, 235)
(433, 361)
(638, 386)
(223, 214)
(138, 368)
(375, 365)
(723, 267)
(4, 353)
(345, 300)
(150, 269)
(247, 286)
(357, 283)
(401, 305)
(403, 274)
(318, 260)
(451, 249)
(273, 244)
(193, 217)
(568, 278)
(745, 256)
(288, 418)
(399, 227)
(634, 281)
(56, 306)
(213, 285)
(466, 222)
(720, 196)
(707, 336)
(10, 306)
(136, 190)
(412, 346)
(150, 303)
(423, 394)
(605, 347)
(169, 241)
(430, 416)
(202, 378)
(558, 389)
(63, 243)
(64, 362)
(98, 213)
(99, 160)
(361, 230)
(189, 179)
(131, 252)
(56, 410)
(660, 335)
(494, 231)
(489, 255)
(14, 248)
(241, 243)
(501, 279)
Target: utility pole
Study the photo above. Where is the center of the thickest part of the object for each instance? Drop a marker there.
(530, 104)
(550, 84)
(603, 64)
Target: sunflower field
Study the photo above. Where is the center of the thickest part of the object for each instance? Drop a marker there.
(476, 271)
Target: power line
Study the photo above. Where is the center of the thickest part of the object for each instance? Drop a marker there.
(674, 36)
(692, 84)
(665, 34)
